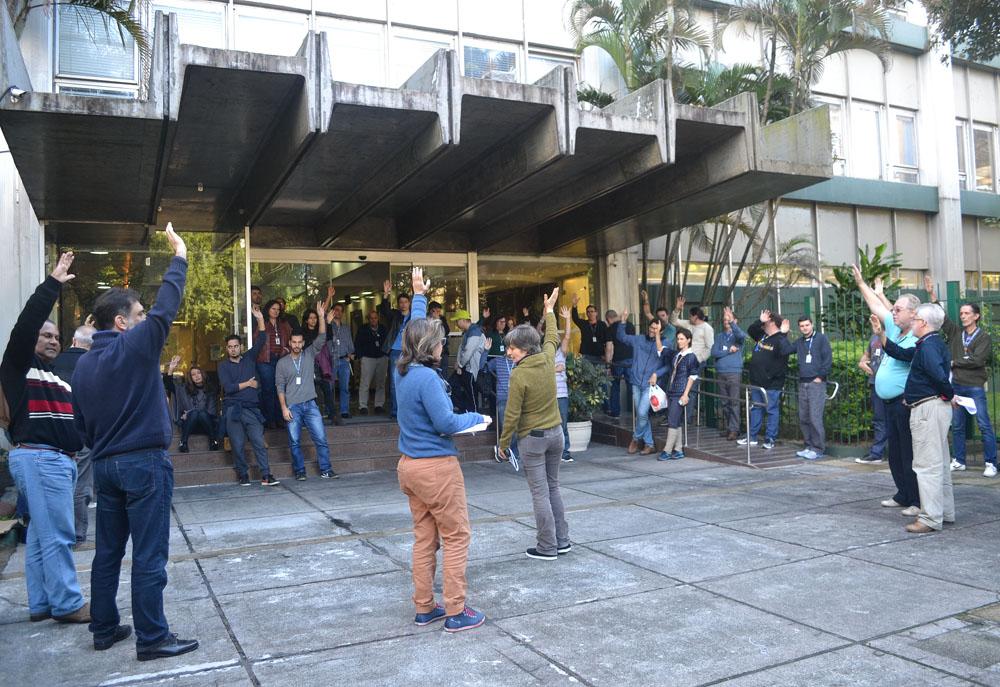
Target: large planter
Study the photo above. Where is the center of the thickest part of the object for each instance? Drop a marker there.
(579, 435)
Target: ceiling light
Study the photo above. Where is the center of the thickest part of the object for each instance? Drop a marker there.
(98, 252)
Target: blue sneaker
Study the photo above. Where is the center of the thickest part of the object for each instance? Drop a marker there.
(430, 616)
(663, 456)
(677, 455)
(466, 620)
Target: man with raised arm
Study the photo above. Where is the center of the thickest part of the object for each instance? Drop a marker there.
(45, 441)
(296, 386)
(595, 339)
(395, 320)
(890, 380)
(766, 373)
(122, 412)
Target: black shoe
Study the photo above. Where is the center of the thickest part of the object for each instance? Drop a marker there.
(269, 481)
(300, 477)
(379, 410)
(168, 648)
(39, 617)
(121, 632)
(534, 553)
(565, 549)
(214, 445)
(244, 480)
(346, 416)
(364, 411)
(182, 447)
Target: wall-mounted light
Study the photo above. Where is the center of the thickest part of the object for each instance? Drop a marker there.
(15, 94)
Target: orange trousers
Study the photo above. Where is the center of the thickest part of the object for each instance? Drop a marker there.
(436, 489)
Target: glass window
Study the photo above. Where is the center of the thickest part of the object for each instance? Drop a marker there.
(982, 146)
(836, 133)
(90, 46)
(357, 50)
(270, 31)
(95, 91)
(540, 65)
(905, 149)
(497, 61)
(960, 143)
(410, 49)
(203, 24)
(866, 135)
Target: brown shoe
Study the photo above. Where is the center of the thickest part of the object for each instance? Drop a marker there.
(732, 436)
(633, 446)
(647, 450)
(80, 615)
(917, 527)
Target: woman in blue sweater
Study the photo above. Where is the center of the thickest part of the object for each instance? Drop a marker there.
(428, 469)
(647, 367)
(683, 374)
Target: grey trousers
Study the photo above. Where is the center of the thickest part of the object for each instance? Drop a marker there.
(729, 389)
(929, 423)
(812, 402)
(83, 493)
(373, 369)
(541, 457)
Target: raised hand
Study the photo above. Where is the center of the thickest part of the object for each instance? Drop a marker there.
(550, 300)
(420, 285)
(878, 286)
(644, 295)
(679, 303)
(859, 278)
(90, 321)
(928, 283)
(174, 362)
(526, 311)
(876, 323)
(257, 314)
(625, 315)
(576, 299)
(785, 326)
(655, 325)
(61, 271)
(765, 315)
(331, 291)
(176, 242)
(564, 312)
(321, 309)
(486, 313)
(386, 287)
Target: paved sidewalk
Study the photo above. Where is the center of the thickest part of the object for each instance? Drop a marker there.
(682, 573)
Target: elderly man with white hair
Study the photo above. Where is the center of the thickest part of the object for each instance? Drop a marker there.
(929, 395)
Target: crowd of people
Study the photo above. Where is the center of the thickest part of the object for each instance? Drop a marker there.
(80, 433)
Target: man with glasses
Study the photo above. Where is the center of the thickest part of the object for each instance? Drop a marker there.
(890, 382)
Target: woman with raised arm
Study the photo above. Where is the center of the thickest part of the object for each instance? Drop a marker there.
(533, 415)
(428, 470)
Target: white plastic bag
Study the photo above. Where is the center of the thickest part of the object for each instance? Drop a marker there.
(657, 398)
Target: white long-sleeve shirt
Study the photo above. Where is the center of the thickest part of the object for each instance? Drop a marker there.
(702, 336)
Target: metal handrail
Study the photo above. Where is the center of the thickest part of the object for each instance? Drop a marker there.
(746, 402)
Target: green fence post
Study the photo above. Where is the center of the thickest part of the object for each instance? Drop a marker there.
(809, 307)
(954, 300)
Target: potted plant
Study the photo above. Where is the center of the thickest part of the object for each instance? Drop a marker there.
(588, 387)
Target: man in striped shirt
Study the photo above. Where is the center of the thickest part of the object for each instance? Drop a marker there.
(42, 462)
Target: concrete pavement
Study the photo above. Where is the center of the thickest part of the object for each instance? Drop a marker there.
(682, 573)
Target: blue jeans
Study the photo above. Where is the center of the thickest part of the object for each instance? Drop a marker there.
(133, 500)
(958, 417)
(643, 430)
(307, 414)
(881, 433)
(393, 358)
(242, 424)
(619, 373)
(203, 421)
(269, 393)
(342, 370)
(757, 413)
(564, 414)
(46, 478)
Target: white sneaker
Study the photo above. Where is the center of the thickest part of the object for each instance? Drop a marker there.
(990, 471)
(891, 503)
(911, 512)
(804, 453)
(768, 445)
(743, 442)
(956, 466)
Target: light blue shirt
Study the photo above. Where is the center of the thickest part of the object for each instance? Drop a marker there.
(890, 379)
(562, 388)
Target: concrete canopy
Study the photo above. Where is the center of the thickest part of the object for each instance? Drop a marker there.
(227, 139)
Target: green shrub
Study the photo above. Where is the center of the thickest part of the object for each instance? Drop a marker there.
(588, 387)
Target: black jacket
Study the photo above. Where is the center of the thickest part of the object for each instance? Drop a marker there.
(769, 361)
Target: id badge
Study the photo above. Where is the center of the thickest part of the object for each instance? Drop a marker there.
(594, 339)
(502, 349)
(878, 352)
(809, 358)
(298, 380)
(277, 340)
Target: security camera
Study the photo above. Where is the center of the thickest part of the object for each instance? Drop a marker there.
(15, 93)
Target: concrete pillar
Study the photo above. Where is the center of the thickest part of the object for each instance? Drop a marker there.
(22, 236)
(619, 278)
(939, 166)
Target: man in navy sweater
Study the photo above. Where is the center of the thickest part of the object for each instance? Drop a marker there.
(815, 364)
(122, 412)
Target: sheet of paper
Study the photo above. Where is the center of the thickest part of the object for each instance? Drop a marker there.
(967, 403)
(474, 428)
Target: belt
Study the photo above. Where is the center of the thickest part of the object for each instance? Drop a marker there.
(923, 401)
(38, 447)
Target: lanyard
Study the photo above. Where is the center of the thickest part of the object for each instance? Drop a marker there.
(297, 364)
(967, 340)
(809, 343)
(762, 340)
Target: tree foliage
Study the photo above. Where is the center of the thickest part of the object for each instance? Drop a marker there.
(846, 312)
(113, 15)
(972, 27)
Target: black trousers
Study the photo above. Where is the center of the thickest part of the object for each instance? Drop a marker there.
(901, 452)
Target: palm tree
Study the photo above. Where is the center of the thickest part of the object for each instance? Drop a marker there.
(717, 82)
(125, 17)
(807, 32)
(640, 36)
